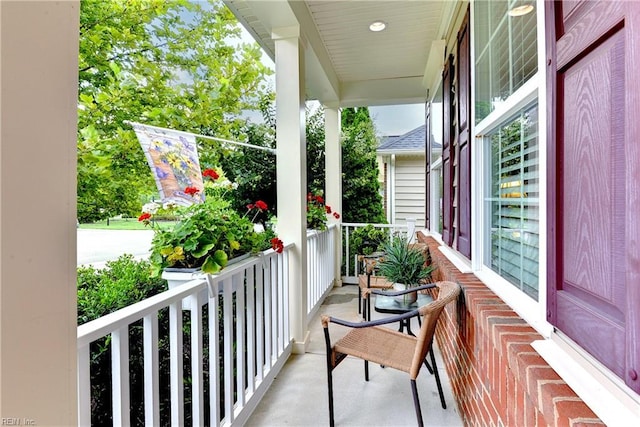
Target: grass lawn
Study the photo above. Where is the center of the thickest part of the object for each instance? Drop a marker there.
(122, 224)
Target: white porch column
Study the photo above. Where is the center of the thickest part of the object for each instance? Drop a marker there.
(291, 167)
(38, 115)
(333, 175)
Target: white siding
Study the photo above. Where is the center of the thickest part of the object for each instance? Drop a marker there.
(409, 192)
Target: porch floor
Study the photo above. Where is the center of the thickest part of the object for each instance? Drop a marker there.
(298, 395)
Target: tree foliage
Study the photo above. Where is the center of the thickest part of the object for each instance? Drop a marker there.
(361, 200)
(169, 64)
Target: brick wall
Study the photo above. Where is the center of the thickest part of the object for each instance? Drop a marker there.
(497, 378)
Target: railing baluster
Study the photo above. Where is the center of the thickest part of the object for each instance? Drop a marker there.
(251, 330)
(239, 286)
(227, 307)
(84, 385)
(151, 370)
(175, 364)
(283, 285)
(346, 257)
(214, 358)
(268, 287)
(197, 391)
(120, 376)
(260, 322)
(274, 317)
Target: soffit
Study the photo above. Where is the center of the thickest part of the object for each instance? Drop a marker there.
(359, 67)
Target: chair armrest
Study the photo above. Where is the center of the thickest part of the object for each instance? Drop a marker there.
(391, 319)
(405, 291)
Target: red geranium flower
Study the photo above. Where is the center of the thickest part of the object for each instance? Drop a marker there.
(336, 215)
(277, 245)
(250, 206)
(327, 208)
(192, 191)
(309, 196)
(211, 173)
(261, 205)
(319, 199)
(144, 217)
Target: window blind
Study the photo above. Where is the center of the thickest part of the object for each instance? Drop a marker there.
(513, 200)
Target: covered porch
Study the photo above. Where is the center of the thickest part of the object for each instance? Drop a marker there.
(496, 371)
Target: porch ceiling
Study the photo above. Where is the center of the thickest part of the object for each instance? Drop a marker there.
(345, 61)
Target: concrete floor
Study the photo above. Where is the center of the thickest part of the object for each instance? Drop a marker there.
(298, 395)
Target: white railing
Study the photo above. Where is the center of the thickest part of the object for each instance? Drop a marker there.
(248, 335)
(350, 258)
(321, 262)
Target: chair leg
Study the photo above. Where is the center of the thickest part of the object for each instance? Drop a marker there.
(330, 383)
(435, 372)
(429, 368)
(416, 403)
(359, 299)
(366, 370)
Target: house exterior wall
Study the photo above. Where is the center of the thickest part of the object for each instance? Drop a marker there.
(409, 191)
(496, 375)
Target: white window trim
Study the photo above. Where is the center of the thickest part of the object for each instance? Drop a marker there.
(532, 311)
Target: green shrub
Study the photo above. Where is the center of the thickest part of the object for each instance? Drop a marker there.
(123, 282)
(368, 239)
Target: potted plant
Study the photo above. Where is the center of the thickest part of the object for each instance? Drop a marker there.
(207, 234)
(404, 265)
(317, 212)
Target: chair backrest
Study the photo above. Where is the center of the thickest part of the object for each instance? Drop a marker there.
(447, 292)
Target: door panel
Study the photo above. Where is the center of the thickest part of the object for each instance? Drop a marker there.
(594, 259)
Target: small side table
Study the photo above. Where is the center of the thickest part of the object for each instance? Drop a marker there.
(389, 304)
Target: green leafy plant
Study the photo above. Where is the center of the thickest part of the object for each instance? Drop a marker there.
(122, 282)
(207, 234)
(368, 239)
(404, 263)
(317, 212)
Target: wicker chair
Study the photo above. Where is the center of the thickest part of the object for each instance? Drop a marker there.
(369, 281)
(373, 343)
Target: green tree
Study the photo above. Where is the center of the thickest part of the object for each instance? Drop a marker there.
(315, 151)
(165, 63)
(361, 200)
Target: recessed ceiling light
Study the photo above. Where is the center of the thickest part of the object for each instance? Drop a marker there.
(377, 26)
(520, 10)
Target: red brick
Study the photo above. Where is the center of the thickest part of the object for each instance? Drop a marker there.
(541, 422)
(508, 339)
(568, 408)
(530, 413)
(536, 375)
(547, 392)
(588, 423)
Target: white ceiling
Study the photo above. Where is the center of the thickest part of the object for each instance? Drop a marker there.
(345, 61)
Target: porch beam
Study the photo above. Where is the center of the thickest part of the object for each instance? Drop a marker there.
(291, 172)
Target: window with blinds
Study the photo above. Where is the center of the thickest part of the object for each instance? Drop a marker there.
(506, 52)
(512, 200)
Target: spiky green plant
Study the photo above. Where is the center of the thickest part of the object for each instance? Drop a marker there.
(404, 263)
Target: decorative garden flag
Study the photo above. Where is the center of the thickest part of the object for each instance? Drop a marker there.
(173, 159)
